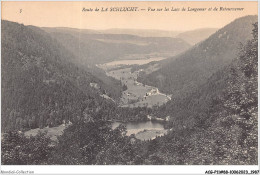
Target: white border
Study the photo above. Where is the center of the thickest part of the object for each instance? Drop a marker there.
(126, 169)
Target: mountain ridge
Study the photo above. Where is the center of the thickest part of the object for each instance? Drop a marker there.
(186, 71)
(40, 85)
(102, 48)
(196, 36)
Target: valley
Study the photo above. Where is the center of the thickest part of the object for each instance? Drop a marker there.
(135, 94)
(83, 97)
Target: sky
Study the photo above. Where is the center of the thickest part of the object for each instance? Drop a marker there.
(70, 14)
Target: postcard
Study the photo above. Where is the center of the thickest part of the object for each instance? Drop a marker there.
(94, 83)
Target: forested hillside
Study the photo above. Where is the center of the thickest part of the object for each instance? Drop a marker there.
(186, 72)
(40, 85)
(217, 124)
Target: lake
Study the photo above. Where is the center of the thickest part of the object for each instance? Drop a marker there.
(132, 62)
(143, 130)
(138, 95)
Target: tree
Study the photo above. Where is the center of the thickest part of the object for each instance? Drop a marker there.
(124, 87)
(20, 150)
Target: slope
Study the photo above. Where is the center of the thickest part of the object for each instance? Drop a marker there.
(40, 85)
(185, 72)
(217, 123)
(196, 36)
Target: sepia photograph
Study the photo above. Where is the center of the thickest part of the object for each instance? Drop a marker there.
(129, 83)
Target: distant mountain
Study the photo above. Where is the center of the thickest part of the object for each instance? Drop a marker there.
(40, 85)
(118, 31)
(142, 32)
(100, 48)
(67, 29)
(196, 36)
(192, 37)
(187, 71)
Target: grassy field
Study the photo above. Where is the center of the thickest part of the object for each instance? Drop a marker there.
(137, 94)
(53, 133)
(150, 134)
